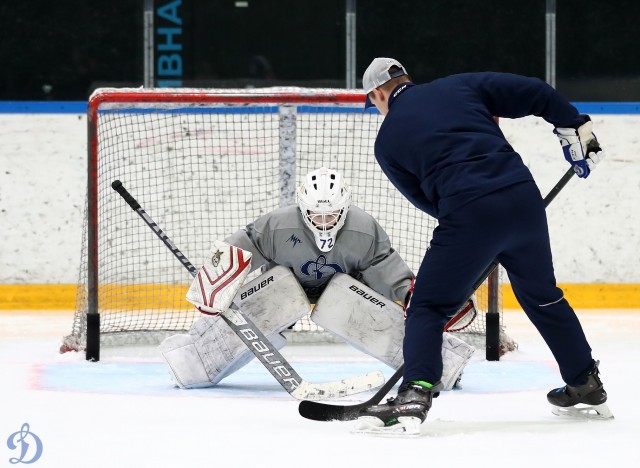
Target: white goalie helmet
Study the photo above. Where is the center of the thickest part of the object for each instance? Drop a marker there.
(324, 199)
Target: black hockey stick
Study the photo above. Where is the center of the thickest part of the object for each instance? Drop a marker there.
(326, 412)
(255, 340)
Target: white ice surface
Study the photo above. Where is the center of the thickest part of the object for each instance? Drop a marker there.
(124, 412)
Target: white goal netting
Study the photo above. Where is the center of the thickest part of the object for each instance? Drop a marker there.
(203, 164)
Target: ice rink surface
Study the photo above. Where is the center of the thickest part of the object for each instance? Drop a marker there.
(124, 411)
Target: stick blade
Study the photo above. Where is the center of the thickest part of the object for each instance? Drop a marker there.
(341, 388)
(317, 411)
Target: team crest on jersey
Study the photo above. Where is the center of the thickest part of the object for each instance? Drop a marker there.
(320, 268)
(294, 240)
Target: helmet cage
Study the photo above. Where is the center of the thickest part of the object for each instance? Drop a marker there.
(324, 201)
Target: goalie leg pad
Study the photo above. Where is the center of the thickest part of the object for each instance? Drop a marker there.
(221, 275)
(273, 301)
(184, 363)
(273, 298)
(374, 325)
(455, 356)
(366, 320)
(187, 365)
(246, 356)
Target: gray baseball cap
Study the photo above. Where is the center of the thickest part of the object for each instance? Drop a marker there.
(378, 74)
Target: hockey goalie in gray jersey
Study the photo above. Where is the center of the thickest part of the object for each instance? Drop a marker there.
(323, 251)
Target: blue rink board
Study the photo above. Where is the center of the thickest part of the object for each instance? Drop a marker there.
(253, 381)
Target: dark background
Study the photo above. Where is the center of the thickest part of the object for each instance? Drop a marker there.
(63, 50)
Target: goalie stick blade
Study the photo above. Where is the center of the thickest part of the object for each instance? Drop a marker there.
(317, 411)
(340, 388)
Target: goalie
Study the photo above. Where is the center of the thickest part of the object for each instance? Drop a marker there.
(323, 251)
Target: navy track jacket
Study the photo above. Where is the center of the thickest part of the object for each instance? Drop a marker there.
(440, 146)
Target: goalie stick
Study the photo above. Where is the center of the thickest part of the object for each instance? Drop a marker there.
(317, 411)
(255, 340)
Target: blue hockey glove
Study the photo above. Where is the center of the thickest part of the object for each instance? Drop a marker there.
(580, 147)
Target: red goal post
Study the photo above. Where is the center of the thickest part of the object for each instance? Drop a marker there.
(205, 163)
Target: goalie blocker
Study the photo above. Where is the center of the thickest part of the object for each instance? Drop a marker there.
(374, 325)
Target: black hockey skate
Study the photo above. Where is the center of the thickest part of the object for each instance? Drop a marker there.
(401, 415)
(586, 401)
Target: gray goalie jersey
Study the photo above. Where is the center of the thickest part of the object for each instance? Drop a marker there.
(362, 250)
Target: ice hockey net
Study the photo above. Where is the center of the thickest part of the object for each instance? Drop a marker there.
(203, 164)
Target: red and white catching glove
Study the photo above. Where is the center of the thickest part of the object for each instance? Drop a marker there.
(218, 280)
(461, 320)
(464, 317)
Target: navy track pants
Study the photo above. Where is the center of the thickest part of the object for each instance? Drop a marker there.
(509, 225)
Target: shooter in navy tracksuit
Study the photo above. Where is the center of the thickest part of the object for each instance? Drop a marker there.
(440, 146)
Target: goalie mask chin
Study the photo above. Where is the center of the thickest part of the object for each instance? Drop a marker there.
(324, 200)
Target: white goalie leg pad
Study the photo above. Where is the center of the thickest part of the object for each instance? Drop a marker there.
(273, 301)
(246, 356)
(455, 356)
(373, 324)
(274, 297)
(218, 280)
(366, 320)
(187, 366)
(184, 362)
